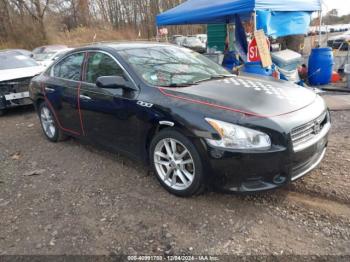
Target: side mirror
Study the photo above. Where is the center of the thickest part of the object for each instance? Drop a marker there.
(113, 82)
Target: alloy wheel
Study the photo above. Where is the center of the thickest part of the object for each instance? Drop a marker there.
(47, 122)
(174, 164)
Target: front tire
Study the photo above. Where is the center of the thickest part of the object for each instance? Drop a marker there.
(177, 163)
(49, 124)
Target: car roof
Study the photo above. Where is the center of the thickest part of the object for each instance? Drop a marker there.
(126, 45)
(53, 46)
(50, 47)
(58, 51)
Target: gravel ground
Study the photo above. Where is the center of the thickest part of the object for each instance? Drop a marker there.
(70, 198)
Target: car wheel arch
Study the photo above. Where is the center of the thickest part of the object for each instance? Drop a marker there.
(38, 102)
(158, 127)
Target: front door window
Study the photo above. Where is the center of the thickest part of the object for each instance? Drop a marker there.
(100, 64)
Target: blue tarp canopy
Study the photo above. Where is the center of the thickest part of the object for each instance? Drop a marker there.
(223, 11)
(277, 24)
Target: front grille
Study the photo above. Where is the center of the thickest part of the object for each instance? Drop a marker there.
(308, 131)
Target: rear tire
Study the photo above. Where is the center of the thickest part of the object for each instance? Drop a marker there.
(2, 112)
(49, 124)
(177, 163)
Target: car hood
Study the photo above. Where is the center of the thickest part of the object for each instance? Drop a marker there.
(11, 74)
(45, 63)
(248, 95)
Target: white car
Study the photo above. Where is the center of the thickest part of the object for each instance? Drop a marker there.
(343, 37)
(16, 71)
(340, 42)
(192, 42)
(203, 38)
(47, 58)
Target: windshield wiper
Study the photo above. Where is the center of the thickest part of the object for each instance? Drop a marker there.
(213, 77)
(181, 84)
(220, 76)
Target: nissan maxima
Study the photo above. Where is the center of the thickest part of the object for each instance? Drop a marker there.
(194, 123)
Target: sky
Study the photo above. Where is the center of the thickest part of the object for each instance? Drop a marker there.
(343, 6)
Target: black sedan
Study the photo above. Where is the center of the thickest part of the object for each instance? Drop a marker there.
(197, 125)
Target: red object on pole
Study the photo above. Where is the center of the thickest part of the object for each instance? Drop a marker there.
(335, 77)
(163, 31)
(253, 51)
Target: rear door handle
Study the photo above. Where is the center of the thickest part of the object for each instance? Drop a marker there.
(85, 97)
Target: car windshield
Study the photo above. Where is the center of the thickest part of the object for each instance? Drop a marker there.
(172, 66)
(15, 60)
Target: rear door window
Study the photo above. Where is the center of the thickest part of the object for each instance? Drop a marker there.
(100, 64)
(70, 67)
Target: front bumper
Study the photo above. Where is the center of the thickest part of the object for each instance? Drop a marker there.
(14, 93)
(14, 99)
(254, 172)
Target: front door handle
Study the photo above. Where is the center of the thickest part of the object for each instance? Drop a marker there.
(49, 90)
(85, 97)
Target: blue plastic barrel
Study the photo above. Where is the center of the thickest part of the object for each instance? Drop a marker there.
(321, 63)
(256, 68)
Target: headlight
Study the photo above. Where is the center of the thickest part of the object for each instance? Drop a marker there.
(238, 137)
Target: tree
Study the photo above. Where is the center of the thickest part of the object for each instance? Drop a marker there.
(333, 12)
(28, 23)
(36, 9)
